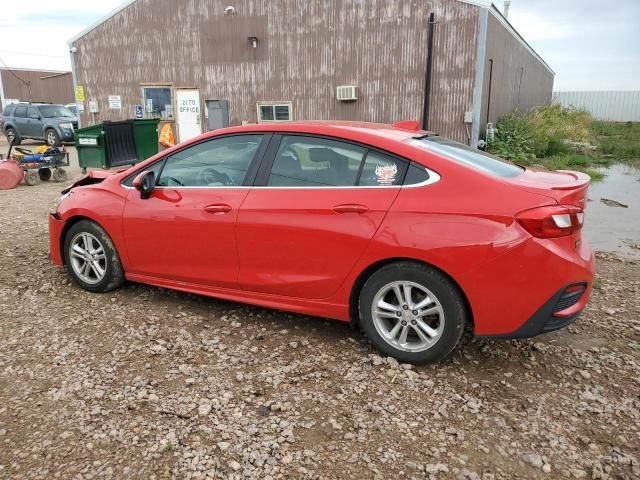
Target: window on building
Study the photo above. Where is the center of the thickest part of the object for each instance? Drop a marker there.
(315, 162)
(158, 102)
(274, 112)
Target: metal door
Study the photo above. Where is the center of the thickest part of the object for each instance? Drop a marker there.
(218, 113)
(188, 102)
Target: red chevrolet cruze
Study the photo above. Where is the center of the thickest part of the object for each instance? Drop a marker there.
(408, 234)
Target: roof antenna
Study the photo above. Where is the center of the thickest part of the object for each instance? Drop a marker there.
(507, 4)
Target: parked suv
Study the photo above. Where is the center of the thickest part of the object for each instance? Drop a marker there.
(40, 121)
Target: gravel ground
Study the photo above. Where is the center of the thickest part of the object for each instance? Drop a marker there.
(149, 383)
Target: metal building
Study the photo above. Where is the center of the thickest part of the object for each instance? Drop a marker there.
(611, 105)
(202, 64)
(19, 84)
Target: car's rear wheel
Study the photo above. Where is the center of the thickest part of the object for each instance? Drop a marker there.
(91, 257)
(13, 137)
(51, 138)
(412, 312)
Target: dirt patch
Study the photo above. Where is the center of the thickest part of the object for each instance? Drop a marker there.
(149, 383)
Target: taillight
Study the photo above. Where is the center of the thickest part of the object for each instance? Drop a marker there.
(551, 222)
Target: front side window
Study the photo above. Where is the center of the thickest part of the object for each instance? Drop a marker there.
(466, 155)
(56, 111)
(221, 162)
(274, 112)
(315, 162)
(380, 170)
(158, 102)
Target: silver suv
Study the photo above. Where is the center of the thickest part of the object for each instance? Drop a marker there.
(40, 121)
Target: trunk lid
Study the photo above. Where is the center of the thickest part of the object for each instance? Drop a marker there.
(564, 186)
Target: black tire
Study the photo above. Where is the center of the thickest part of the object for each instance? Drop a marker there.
(11, 132)
(447, 294)
(113, 272)
(51, 138)
(45, 174)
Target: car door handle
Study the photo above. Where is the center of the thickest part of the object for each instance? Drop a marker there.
(350, 208)
(218, 208)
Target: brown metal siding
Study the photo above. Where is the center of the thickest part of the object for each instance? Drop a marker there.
(454, 69)
(305, 49)
(51, 87)
(519, 80)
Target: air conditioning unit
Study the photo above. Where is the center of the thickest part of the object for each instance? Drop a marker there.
(345, 93)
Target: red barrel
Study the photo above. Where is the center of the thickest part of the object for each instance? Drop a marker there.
(10, 175)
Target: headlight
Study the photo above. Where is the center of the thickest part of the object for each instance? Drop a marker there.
(61, 199)
(67, 126)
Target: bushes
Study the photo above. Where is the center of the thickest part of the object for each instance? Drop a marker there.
(540, 133)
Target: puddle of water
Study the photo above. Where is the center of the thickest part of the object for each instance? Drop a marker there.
(615, 229)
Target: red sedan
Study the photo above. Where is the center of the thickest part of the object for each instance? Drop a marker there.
(411, 236)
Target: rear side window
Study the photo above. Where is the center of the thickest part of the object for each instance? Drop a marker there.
(8, 110)
(416, 174)
(21, 111)
(382, 170)
(315, 162)
(468, 156)
(33, 112)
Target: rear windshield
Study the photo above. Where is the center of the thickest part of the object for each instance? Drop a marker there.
(55, 111)
(471, 157)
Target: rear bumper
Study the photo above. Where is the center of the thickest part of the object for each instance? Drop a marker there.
(55, 231)
(548, 317)
(515, 294)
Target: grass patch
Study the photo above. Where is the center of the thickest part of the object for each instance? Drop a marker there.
(565, 139)
(597, 283)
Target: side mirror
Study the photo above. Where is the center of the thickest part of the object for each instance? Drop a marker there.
(145, 183)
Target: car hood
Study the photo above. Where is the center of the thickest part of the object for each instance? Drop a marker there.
(91, 178)
(63, 119)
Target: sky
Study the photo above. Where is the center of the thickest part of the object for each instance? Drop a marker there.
(590, 44)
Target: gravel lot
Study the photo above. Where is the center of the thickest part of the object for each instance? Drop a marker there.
(149, 383)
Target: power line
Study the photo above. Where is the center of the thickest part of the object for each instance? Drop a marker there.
(5, 52)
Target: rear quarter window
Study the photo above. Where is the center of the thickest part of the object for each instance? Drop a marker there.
(466, 155)
(8, 110)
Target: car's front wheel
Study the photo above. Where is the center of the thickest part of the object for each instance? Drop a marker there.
(91, 257)
(51, 138)
(412, 312)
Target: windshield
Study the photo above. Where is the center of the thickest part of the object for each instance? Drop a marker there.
(471, 157)
(55, 111)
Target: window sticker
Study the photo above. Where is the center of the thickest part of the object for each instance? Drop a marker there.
(386, 173)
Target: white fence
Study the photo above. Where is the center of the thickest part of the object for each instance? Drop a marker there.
(617, 106)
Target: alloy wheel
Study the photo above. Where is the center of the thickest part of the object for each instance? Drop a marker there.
(408, 316)
(51, 138)
(88, 258)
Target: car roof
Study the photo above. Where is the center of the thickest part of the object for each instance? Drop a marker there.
(338, 128)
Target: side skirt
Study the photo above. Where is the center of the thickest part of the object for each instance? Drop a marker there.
(316, 308)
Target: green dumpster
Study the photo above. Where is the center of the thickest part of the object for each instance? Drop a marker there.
(112, 144)
(145, 133)
(90, 146)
